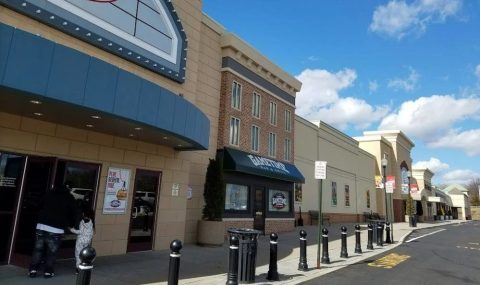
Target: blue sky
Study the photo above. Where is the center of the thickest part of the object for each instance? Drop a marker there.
(369, 65)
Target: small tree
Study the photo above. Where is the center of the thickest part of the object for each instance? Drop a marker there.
(213, 192)
(410, 208)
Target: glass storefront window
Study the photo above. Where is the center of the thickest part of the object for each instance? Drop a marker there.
(236, 197)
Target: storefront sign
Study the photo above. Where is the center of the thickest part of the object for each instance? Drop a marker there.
(267, 163)
(413, 188)
(279, 201)
(116, 191)
(8, 182)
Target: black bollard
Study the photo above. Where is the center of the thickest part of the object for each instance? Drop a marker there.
(379, 235)
(87, 256)
(370, 237)
(325, 257)
(343, 251)
(358, 247)
(272, 267)
(232, 277)
(387, 233)
(302, 265)
(174, 265)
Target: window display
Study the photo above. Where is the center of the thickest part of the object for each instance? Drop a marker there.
(236, 197)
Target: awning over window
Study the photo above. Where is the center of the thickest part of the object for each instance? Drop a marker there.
(235, 160)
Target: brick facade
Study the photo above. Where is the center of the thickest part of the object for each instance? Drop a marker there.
(247, 120)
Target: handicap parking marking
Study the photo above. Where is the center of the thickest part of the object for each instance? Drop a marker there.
(389, 261)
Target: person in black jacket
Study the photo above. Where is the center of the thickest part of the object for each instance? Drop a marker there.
(58, 212)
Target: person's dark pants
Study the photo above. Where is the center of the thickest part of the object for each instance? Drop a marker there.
(49, 243)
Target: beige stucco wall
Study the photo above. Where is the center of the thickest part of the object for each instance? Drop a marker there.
(461, 201)
(177, 216)
(346, 165)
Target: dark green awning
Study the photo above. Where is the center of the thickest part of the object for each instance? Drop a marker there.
(236, 160)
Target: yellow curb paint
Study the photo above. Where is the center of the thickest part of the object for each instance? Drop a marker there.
(389, 261)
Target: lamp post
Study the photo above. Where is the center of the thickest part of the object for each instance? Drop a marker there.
(384, 167)
(409, 201)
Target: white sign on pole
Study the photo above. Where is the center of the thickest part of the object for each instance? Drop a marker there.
(320, 170)
(389, 187)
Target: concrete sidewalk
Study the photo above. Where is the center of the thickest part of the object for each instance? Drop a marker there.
(204, 265)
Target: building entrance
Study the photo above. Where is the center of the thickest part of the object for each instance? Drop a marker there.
(144, 209)
(24, 181)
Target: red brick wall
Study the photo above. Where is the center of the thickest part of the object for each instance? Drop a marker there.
(279, 226)
(247, 120)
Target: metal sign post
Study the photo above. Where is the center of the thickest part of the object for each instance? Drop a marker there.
(320, 174)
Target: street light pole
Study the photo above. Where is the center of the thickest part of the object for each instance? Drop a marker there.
(410, 222)
(384, 167)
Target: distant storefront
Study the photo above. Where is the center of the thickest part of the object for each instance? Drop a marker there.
(259, 191)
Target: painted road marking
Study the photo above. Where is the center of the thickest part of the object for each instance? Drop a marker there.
(415, 238)
(466, 247)
(474, 243)
(389, 261)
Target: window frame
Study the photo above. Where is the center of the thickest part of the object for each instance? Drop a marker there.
(272, 138)
(334, 203)
(252, 142)
(288, 121)
(256, 105)
(273, 113)
(236, 96)
(287, 148)
(247, 208)
(232, 139)
(347, 191)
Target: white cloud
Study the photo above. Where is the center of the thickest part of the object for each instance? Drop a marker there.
(477, 71)
(468, 141)
(407, 84)
(313, 58)
(319, 99)
(428, 118)
(372, 86)
(353, 111)
(460, 176)
(398, 19)
(434, 164)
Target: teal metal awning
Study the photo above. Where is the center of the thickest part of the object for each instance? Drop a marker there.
(240, 161)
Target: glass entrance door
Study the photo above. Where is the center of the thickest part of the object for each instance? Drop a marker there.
(11, 169)
(38, 174)
(259, 210)
(144, 206)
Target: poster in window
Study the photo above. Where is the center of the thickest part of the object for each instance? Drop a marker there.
(298, 192)
(278, 201)
(116, 191)
(334, 193)
(347, 196)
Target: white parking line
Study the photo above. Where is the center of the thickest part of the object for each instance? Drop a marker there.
(415, 238)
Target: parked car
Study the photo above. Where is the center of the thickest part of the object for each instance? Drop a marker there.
(81, 193)
(148, 197)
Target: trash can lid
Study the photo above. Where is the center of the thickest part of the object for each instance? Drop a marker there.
(244, 231)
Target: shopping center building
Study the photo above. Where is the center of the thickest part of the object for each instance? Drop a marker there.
(119, 101)
(348, 191)
(125, 102)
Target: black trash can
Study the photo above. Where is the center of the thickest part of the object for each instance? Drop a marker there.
(247, 253)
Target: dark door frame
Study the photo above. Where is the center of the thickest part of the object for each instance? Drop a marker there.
(131, 247)
(259, 222)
